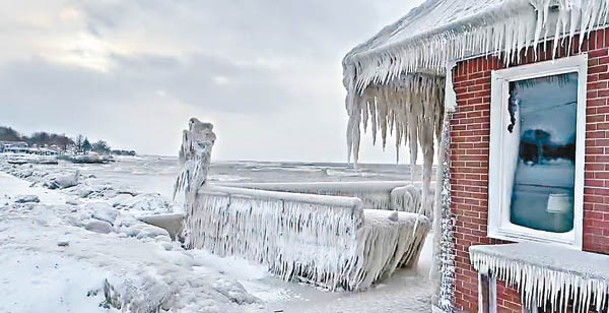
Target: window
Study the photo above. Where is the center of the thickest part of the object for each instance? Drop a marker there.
(537, 152)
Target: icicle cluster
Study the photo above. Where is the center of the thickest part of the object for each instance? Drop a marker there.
(395, 80)
(329, 241)
(440, 31)
(410, 109)
(548, 275)
(408, 199)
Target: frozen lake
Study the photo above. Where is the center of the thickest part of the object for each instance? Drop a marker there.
(157, 174)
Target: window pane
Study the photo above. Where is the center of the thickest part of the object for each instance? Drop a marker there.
(543, 113)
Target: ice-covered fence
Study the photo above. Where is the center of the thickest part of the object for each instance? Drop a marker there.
(379, 195)
(330, 241)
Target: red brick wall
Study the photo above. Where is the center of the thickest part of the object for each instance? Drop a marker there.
(470, 130)
(508, 299)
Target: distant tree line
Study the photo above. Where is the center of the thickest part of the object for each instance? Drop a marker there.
(78, 145)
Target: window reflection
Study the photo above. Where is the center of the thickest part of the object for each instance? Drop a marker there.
(540, 151)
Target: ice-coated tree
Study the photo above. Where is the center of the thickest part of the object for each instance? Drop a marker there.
(9, 134)
(78, 143)
(86, 145)
(101, 147)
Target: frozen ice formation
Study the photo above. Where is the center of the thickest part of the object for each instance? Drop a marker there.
(377, 195)
(411, 109)
(548, 274)
(442, 273)
(195, 155)
(98, 226)
(325, 240)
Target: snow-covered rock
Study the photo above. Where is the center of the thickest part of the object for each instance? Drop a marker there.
(173, 222)
(149, 231)
(99, 227)
(27, 199)
(64, 181)
(150, 203)
(104, 212)
(235, 292)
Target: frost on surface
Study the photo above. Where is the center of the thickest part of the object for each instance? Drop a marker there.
(329, 241)
(548, 275)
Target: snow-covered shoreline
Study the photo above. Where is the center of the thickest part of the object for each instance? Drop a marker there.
(75, 243)
(84, 250)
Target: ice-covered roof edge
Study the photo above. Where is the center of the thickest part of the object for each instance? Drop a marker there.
(508, 26)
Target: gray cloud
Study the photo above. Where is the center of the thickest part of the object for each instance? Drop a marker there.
(206, 82)
(263, 27)
(268, 72)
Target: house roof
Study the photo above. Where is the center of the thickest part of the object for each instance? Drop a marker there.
(440, 31)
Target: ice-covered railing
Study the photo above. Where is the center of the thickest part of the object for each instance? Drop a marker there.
(548, 275)
(327, 240)
(330, 241)
(378, 195)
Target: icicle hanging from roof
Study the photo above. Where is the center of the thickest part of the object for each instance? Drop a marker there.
(395, 81)
(410, 108)
(446, 30)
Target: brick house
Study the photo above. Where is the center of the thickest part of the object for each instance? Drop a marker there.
(515, 96)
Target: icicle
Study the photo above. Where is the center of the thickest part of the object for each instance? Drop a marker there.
(547, 274)
(324, 240)
(505, 26)
(373, 120)
(403, 114)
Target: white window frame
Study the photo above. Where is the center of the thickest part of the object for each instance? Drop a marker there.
(499, 225)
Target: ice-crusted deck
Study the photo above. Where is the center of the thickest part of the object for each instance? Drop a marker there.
(547, 274)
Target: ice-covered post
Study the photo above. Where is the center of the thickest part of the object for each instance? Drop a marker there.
(443, 269)
(195, 157)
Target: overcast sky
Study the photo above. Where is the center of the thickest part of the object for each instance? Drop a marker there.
(267, 73)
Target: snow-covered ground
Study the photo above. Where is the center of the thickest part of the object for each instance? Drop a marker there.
(81, 249)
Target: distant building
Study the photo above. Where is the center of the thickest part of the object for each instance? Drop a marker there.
(6, 146)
